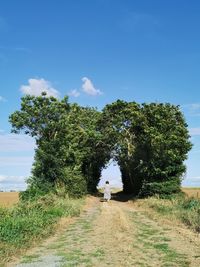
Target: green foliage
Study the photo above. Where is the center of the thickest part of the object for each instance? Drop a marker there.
(191, 203)
(69, 153)
(163, 188)
(149, 142)
(75, 184)
(36, 189)
(190, 214)
(29, 221)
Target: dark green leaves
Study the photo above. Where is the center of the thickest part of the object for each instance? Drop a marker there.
(149, 142)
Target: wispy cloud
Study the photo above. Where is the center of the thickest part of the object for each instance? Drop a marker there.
(193, 109)
(16, 161)
(191, 181)
(12, 182)
(194, 131)
(15, 48)
(37, 86)
(89, 88)
(74, 93)
(2, 99)
(7, 178)
(195, 178)
(16, 143)
(22, 49)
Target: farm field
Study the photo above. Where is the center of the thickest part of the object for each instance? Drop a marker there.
(7, 199)
(192, 191)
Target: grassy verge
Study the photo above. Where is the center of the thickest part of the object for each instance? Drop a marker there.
(181, 208)
(28, 222)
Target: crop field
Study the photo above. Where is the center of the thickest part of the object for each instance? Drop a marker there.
(192, 191)
(7, 199)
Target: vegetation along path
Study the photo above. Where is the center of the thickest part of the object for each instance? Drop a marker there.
(115, 234)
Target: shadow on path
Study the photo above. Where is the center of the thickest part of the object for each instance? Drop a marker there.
(119, 196)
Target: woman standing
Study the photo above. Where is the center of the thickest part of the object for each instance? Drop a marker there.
(107, 193)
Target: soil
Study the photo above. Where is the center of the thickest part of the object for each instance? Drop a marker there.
(115, 233)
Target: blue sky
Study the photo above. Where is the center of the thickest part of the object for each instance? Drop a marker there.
(97, 51)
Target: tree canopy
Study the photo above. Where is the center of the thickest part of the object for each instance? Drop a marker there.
(149, 142)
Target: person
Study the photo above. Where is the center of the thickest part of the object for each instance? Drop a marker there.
(107, 192)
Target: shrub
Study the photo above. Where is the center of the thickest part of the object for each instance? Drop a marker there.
(163, 189)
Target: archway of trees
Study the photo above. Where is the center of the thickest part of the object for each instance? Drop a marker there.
(111, 173)
(148, 141)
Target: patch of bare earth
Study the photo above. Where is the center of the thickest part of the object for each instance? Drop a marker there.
(115, 234)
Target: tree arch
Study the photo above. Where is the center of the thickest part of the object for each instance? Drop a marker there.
(149, 142)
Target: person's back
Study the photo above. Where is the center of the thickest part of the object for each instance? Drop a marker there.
(107, 193)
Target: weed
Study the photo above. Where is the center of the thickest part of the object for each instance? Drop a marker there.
(31, 221)
(185, 209)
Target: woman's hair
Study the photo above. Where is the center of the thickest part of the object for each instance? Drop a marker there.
(107, 182)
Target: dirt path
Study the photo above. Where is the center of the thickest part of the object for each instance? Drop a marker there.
(115, 234)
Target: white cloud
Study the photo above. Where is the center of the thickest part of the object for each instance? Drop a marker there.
(8, 179)
(74, 93)
(89, 88)
(12, 182)
(194, 109)
(194, 106)
(37, 86)
(195, 178)
(2, 99)
(16, 161)
(194, 131)
(16, 143)
(191, 181)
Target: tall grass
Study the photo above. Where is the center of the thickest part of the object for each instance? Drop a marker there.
(178, 207)
(27, 222)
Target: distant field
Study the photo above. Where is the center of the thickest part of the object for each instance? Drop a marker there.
(192, 191)
(7, 199)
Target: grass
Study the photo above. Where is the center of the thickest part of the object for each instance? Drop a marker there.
(30, 258)
(75, 258)
(153, 243)
(182, 208)
(29, 222)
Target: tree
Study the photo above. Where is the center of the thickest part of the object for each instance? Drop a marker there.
(149, 142)
(69, 153)
(164, 146)
(46, 119)
(122, 124)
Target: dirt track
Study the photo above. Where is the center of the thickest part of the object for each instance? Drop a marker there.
(115, 234)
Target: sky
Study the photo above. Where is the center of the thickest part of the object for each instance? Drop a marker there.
(97, 51)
